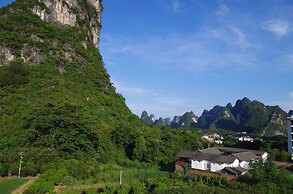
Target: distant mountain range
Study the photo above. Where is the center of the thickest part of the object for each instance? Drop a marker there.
(187, 120)
(246, 115)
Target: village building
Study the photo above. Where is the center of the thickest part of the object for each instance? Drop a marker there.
(214, 137)
(235, 161)
(246, 138)
(290, 136)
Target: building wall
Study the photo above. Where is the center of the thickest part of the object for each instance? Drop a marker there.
(245, 164)
(264, 157)
(235, 163)
(290, 126)
(216, 167)
(210, 166)
(201, 165)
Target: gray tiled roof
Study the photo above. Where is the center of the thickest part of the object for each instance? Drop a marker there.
(225, 159)
(232, 150)
(221, 154)
(234, 170)
(199, 156)
(246, 156)
(184, 154)
(212, 150)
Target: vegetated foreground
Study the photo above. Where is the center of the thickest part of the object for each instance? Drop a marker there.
(7, 185)
(91, 177)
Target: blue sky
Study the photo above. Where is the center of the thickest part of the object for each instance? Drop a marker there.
(173, 56)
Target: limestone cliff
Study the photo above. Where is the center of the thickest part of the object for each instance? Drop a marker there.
(85, 15)
(73, 13)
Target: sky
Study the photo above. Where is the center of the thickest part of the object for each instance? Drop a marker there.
(172, 56)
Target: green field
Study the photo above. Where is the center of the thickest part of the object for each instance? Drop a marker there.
(8, 185)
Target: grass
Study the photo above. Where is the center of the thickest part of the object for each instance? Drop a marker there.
(9, 185)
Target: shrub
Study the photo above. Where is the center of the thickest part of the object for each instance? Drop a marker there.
(29, 169)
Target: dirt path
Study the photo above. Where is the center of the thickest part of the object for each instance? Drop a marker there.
(284, 164)
(23, 187)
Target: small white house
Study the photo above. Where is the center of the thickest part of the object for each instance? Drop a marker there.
(216, 159)
(246, 138)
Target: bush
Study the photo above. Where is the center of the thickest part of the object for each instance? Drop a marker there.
(40, 186)
(15, 74)
(29, 169)
(283, 156)
(3, 170)
(91, 191)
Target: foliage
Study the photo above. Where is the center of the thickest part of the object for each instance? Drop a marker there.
(250, 116)
(15, 74)
(29, 169)
(45, 183)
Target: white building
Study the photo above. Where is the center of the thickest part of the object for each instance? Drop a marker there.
(213, 137)
(219, 159)
(246, 138)
(290, 136)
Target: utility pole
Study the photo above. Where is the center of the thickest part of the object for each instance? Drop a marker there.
(20, 162)
(120, 177)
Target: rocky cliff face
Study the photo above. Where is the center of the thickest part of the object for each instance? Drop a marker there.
(82, 14)
(72, 13)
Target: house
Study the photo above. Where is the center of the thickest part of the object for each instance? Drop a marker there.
(213, 137)
(246, 138)
(290, 135)
(229, 160)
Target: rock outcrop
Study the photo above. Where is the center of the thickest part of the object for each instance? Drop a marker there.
(6, 55)
(84, 15)
(72, 13)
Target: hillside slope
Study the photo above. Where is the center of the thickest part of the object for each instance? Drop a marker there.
(55, 92)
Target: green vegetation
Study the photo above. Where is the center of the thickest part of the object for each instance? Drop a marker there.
(145, 178)
(58, 108)
(8, 185)
(250, 116)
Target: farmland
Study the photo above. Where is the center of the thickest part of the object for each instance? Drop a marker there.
(7, 185)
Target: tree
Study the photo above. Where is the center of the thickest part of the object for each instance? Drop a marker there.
(139, 148)
(283, 156)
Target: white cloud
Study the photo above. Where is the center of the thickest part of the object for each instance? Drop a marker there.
(156, 103)
(223, 10)
(193, 53)
(278, 27)
(128, 90)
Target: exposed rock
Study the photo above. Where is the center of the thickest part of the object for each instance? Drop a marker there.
(59, 11)
(61, 69)
(69, 52)
(69, 12)
(6, 55)
(31, 54)
(36, 38)
(84, 44)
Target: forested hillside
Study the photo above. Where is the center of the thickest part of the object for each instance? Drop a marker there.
(56, 98)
